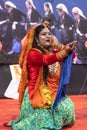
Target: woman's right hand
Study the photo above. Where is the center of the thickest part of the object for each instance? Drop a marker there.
(66, 50)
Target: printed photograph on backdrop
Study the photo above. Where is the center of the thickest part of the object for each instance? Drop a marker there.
(67, 20)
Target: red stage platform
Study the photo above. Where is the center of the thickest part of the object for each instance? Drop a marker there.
(9, 110)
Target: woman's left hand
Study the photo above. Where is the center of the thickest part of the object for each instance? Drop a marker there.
(54, 42)
(72, 45)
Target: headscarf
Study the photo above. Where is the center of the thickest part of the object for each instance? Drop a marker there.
(78, 11)
(31, 2)
(62, 7)
(9, 3)
(50, 6)
(26, 46)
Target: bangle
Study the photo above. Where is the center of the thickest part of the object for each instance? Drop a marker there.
(62, 54)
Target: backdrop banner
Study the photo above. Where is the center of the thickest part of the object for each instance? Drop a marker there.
(68, 22)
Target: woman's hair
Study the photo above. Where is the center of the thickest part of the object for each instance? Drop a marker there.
(36, 34)
(38, 30)
(46, 19)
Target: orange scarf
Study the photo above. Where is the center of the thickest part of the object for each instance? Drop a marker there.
(26, 46)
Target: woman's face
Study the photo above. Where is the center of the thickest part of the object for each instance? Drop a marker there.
(60, 12)
(46, 9)
(9, 9)
(76, 16)
(44, 37)
(28, 5)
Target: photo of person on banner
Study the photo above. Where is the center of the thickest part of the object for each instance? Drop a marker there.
(16, 17)
(49, 13)
(32, 16)
(65, 24)
(81, 36)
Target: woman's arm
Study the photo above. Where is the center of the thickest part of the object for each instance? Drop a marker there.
(36, 58)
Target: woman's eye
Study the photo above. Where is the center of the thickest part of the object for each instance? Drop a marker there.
(46, 34)
(49, 34)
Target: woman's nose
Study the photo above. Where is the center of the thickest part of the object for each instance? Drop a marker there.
(48, 35)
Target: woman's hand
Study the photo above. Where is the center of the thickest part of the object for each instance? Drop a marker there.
(71, 46)
(66, 50)
(54, 42)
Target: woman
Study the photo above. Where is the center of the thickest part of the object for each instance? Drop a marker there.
(65, 24)
(15, 29)
(49, 13)
(81, 35)
(39, 83)
(33, 16)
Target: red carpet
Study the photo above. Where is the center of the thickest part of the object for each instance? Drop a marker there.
(9, 110)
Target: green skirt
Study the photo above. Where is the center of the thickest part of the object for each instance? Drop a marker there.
(42, 118)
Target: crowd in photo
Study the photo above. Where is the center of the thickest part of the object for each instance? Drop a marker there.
(15, 23)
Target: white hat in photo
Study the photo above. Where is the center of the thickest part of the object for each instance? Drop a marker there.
(78, 11)
(9, 3)
(62, 7)
(31, 2)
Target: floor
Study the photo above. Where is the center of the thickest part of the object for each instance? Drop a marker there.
(9, 110)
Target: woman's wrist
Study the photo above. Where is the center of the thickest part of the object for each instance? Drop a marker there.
(62, 54)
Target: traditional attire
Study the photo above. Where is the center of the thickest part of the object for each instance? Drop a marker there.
(50, 14)
(65, 25)
(32, 16)
(81, 32)
(38, 96)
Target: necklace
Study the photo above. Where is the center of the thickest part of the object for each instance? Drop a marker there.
(40, 45)
(53, 68)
